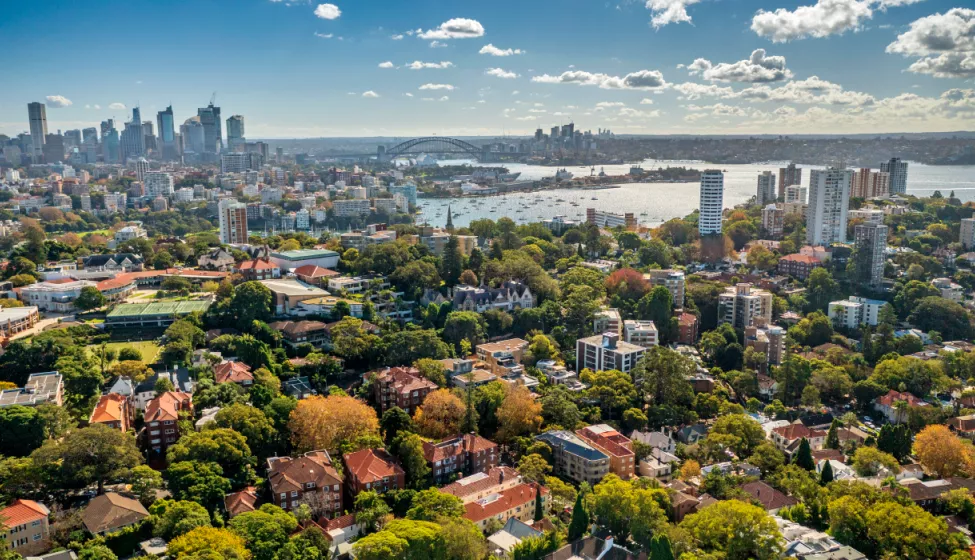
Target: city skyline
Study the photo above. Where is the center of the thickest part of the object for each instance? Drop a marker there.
(298, 69)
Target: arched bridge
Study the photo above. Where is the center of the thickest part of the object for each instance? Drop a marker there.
(433, 144)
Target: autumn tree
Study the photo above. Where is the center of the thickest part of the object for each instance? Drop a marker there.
(328, 422)
(208, 542)
(942, 453)
(440, 414)
(520, 413)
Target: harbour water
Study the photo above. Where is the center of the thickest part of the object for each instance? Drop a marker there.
(652, 203)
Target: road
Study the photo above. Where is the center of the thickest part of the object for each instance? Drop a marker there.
(42, 324)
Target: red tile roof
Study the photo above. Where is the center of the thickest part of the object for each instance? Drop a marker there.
(456, 446)
(802, 259)
(288, 474)
(893, 396)
(315, 271)
(798, 431)
(496, 504)
(769, 497)
(257, 264)
(22, 511)
(119, 281)
(372, 465)
(236, 372)
(167, 406)
(494, 477)
(110, 408)
(405, 380)
(241, 502)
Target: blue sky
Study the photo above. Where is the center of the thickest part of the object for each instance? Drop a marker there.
(300, 69)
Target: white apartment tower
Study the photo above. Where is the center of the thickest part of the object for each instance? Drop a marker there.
(967, 233)
(829, 202)
(897, 170)
(712, 202)
(158, 184)
(233, 221)
(766, 189)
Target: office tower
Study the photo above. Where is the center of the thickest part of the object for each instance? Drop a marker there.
(158, 184)
(898, 175)
(191, 136)
(538, 134)
(871, 243)
(37, 115)
(789, 176)
(233, 221)
(712, 202)
(166, 139)
(212, 129)
(279, 154)
(107, 125)
(133, 137)
(72, 138)
(53, 149)
(568, 130)
(235, 133)
(89, 135)
(149, 137)
(111, 145)
(829, 202)
(239, 162)
(868, 184)
(766, 188)
(967, 233)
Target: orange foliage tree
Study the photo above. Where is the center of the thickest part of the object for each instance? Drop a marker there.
(519, 413)
(941, 452)
(627, 283)
(440, 414)
(328, 422)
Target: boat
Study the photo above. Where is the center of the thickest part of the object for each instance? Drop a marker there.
(594, 198)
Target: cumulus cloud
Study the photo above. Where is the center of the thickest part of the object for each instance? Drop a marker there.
(447, 87)
(397, 37)
(328, 11)
(825, 18)
(324, 35)
(812, 90)
(500, 73)
(605, 104)
(495, 51)
(643, 79)
(759, 68)
(418, 65)
(445, 98)
(117, 106)
(370, 93)
(57, 101)
(387, 64)
(437, 45)
(664, 12)
(646, 101)
(945, 41)
(456, 28)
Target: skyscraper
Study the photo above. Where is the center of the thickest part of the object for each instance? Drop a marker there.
(789, 176)
(233, 221)
(166, 129)
(829, 202)
(53, 149)
(89, 135)
(72, 138)
(149, 137)
(37, 115)
(133, 142)
(766, 188)
(110, 142)
(868, 184)
(898, 175)
(212, 129)
(712, 202)
(871, 243)
(235, 133)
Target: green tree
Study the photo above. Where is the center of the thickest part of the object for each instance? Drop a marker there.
(96, 552)
(464, 325)
(579, 524)
(907, 531)
(171, 518)
(408, 447)
(251, 423)
(949, 318)
(144, 482)
(434, 505)
(821, 289)
(534, 467)
(451, 262)
(21, 430)
(767, 457)
(394, 421)
(735, 530)
(222, 446)
(867, 461)
(737, 432)
(89, 298)
(895, 440)
(264, 531)
(826, 475)
(661, 549)
(250, 301)
(832, 436)
(371, 511)
(203, 483)
(433, 370)
(89, 455)
(804, 456)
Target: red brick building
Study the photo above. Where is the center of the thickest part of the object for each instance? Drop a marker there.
(372, 469)
(310, 479)
(517, 502)
(688, 324)
(798, 266)
(622, 459)
(115, 411)
(162, 414)
(460, 456)
(402, 387)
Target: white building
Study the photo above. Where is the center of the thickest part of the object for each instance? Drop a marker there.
(742, 304)
(898, 175)
(158, 184)
(351, 208)
(184, 194)
(868, 215)
(829, 203)
(766, 188)
(606, 351)
(967, 233)
(56, 295)
(712, 202)
(233, 221)
(128, 233)
(855, 311)
(641, 333)
(795, 194)
(302, 219)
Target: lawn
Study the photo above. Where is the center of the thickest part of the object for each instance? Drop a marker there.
(148, 348)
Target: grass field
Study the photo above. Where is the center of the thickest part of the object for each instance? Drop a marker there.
(148, 348)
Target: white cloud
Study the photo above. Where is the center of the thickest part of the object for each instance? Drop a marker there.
(87, 106)
(631, 113)
(370, 93)
(387, 64)
(437, 45)
(515, 92)
(646, 101)
(456, 28)
(500, 73)
(825, 18)
(328, 11)
(397, 37)
(945, 41)
(758, 68)
(538, 111)
(117, 106)
(417, 65)
(604, 104)
(495, 51)
(96, 106)
(643, 79)
(445, 98)
(324, 35)
(946, 65)
(664, 12)
(884, 4)
(408, 94)
(481, 101)
(447, 87)
(812, 90)
(57, 101)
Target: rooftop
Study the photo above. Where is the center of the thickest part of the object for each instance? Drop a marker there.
(304, 254)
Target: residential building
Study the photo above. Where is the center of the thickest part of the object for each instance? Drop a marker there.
(890, 406)
(161, 418)
(609, 220)
(868, 215)
(742, 304)
(949, 290)
(673, 280)
(26, 530)
(314, 274)
(351, 208)
(619, 449)
(870, 241)
(788, 438)
(402, 387)
(325, 305)
(789, 176)
(574, 458)
(158, 184)
(770, 341)
(513, 503)
(688, 328)
(233, 372)
(869, 184)
(310, 478)
(217, 258)
(767, 192)
(465, 454)
(112, 512)
(607, 319)
(607, 351)
(967, 233)
(240, 502)
(798, 266)
(356, 284)
(258, 269)
(233, 221)
(117, 262)
(503, 358)
(502, 543)
(711, 202)
(897, 170)
(829, 202)
(796, 195)
(480, 485)
(509, 296)
(15, 320)
(855, 311)
(372, 470)
(771, 499)
(115, 411)
(294, 333)
(41, 388)
(641, 333)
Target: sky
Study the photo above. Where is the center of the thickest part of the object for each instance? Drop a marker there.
(299, 69)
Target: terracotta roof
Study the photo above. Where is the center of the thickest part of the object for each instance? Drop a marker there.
(611, 442)
(315, 271)
(287, 474)
(110, 408)
(340, 522)
(831, 454)
(495, 504)
(797, 431)
(372, 465)
(112, 283)
(112, 511)
(257, 264)
(241, 502)
(61, 281)
(470, 486)
(769, 497)
(963, 423)
(893, 396)
(687, 318)
(167, 406)
(405, 380)
(456, 446)
(298, 327)
(237, 372)
(22, 511)
(798, 258)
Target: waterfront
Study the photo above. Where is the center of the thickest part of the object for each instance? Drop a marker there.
(653, 203)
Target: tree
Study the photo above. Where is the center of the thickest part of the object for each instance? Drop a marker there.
(826, 475)
(738, 432)
(264, 531)
(144, 482)
(350, 340)
(561, 493)
(328, 422)
(464, 325)
(660, 548)
(371, 511)
(433, 370)
(96, 552)
(766, 457)
(579, 524)
(895, 440)
(203, 483)
(171, 518)
(462, 540)
(394, 421)
(380, 546)
(440, 414)
(208, 542)
(804, 458)
(663, 375)
(433, 505)
(310, 544)
(89, 298)
(941, 452)
(821, 288)
(579, 305)
(250, 301)
(559, 408)
(534, 467)
(408, 448)
(451, 262)
(21, 430)
(89, 455)
(947, 317)
(736, 530)
(222, 446)
(690, 469)
(867, 461)
(249, 422)
(906, 531)
(520, 413)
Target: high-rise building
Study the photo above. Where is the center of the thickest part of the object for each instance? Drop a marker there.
(829, 202)
(868, 184)
(212, 129)
(53, 149)
(192, 135)
(712, 202)
(235, 133)
(239, 162)
(89, 135)
(37, 115)
(898, 175)
(766, 188)
(233, 221)
(743, 304)
(149, 136)
(72, 138)
(773, 221)
(789, 176)
(167, 135)
(795, 194)
(158, 184)
(110, 143)
(967, 233)
(871, 243)
(133, 143)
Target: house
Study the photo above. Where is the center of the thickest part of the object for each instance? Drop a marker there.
(788, 438)
(326, 305)
(315, 275)
(468, 454)
(146, 390)
(310, 478)
(574, 457)
(41, 388)
(841, 471)
(116, 289)
(240, 502)
(683, 504)
(963, 425)
(656, 440)
(593, 548)
(233, 372)
(25, 527)
(111, 512)
(118, 262)
(770, 498)
(372, 469)
(482, 484)
(804, 543)
(619, 449)
(927, 493)
(895, 405)
(207, 415)
(517, 503)
(161, 417)
(54, 295)
(15, 320)
(475, 377)
(115, 411)
(216, 259)
(258, 269)
(509, 296)
(298, 387)
(692, 434)
(402, 387)
(767, 387)
(501, 544)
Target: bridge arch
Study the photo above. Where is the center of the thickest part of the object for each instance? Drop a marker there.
(435, 144)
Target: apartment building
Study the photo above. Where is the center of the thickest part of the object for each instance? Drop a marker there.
(464, 454)
(14, 320)
(619, 449)
(41, 388)
(503, 358)
(788, 438)
(855, 311)
(673, 280)
(607, 351)
(25, 527)
(115, 411)
(233, 372)
(310, 478)
(742, 304)
(402, 387)
(480, 485)
(161, 416)
(574, 458)
(770, 341)
(372, 470)
(798, 266)
(513, 503)
(608, 320)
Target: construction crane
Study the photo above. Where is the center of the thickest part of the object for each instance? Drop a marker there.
(213, 99)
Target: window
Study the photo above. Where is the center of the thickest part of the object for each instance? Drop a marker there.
(294, 493)
(310, 485)
(284, 496)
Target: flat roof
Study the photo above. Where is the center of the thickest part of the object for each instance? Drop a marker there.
(159, 308)
(14, 313)
(303, 254)
(293, 288)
